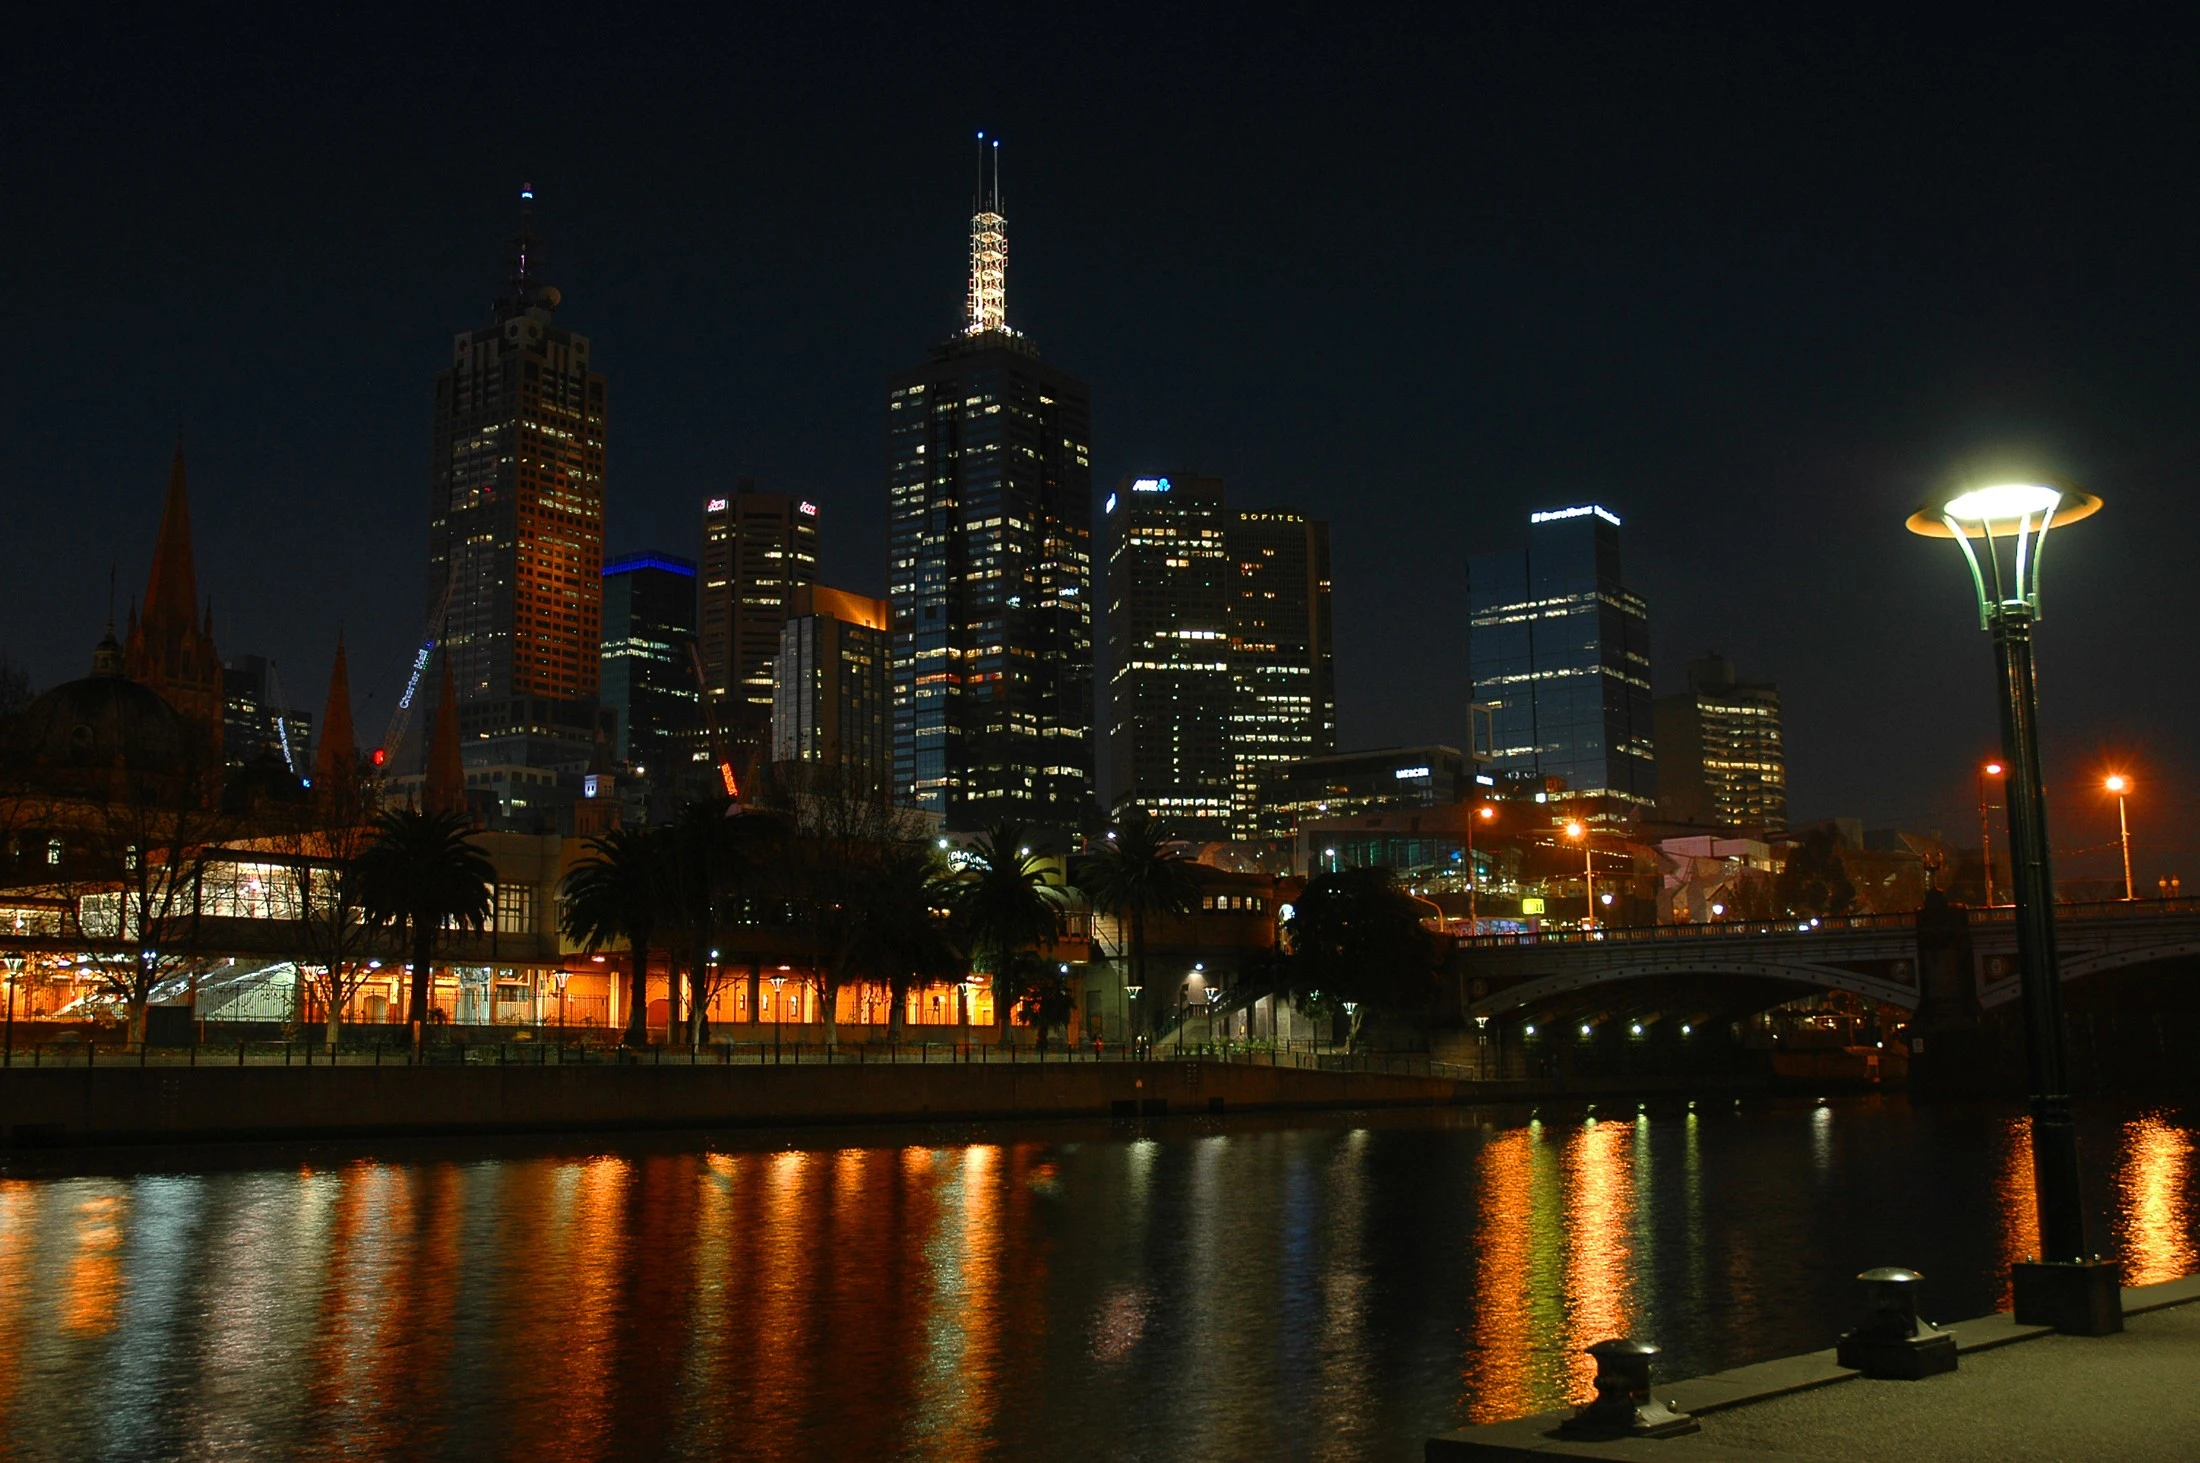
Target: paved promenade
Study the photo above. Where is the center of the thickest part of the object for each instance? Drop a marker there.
(2019, 1395)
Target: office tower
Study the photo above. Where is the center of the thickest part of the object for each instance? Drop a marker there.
(758, 548)
(258, 720)
(990, 564)
(168, 646)
(1282, 665)
(1720, 760)
(1170, 589)
(515, 527)
(1559, 650)
(830, 687)
(648, 656)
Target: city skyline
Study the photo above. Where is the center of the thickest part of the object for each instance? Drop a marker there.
(1886, 633)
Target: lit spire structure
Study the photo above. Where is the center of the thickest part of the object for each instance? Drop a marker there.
(988, 247)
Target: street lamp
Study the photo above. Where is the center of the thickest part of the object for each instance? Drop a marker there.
(1482, 814)
(1133, 1017)
(2011, 520)
(1579, 832)
(14, 965)
(779, 983)
(1985, 833)
(2120, 785)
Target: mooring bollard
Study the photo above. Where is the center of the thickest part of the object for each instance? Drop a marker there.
(1892, 1343)
(1624, 1407)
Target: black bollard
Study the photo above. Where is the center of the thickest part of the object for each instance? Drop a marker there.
(1892, 1343)
(1624, 1407)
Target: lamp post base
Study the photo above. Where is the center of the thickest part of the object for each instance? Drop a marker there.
(2076, 1297)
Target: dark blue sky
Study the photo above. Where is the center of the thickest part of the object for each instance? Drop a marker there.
(1754, 278)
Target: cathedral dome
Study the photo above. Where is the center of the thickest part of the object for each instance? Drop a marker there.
(102, 724)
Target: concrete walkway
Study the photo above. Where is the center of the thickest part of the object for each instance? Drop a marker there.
(2020, 1395)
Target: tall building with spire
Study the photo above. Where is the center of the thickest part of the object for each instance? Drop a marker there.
(169, 646)
(515, 527)
(989, 501)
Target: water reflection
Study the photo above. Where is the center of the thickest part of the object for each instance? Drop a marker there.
(1323, 1290)
(2018, 1203)
(2156, 1216)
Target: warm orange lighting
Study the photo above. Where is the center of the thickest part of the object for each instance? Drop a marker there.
(2117, 783)
(1575, 830)
(1485, 812)
(1993, 769)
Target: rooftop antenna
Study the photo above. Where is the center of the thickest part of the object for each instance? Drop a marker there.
(988, 247)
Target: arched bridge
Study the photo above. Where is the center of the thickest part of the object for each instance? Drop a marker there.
(1763, 962)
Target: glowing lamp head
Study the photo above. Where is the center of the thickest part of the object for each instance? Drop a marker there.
(1993, 769)
(1485, 813)
(2011, 519)
(1576, 830)
(2117, 783)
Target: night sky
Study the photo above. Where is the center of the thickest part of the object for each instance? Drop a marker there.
(1754, 279)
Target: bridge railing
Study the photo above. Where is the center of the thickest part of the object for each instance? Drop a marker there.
(1755, 929)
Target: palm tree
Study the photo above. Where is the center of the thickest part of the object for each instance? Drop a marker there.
(422, 872)
(1003, 907)
(1356, 939)
(1133, 877)
(616, 892)
(905, 930)
(714, 864)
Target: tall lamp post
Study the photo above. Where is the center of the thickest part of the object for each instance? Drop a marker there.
(14, 967)
(1579, 832)
(2063, 1289)
(2120, 785)
(1985, 832)
(1482, 814)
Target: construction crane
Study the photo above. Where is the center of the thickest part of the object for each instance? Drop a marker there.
(718, 756)
(393, 738)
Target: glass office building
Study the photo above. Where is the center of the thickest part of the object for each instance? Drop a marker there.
(1559, 650)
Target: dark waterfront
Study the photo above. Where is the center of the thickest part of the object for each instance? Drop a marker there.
(1334, 1288)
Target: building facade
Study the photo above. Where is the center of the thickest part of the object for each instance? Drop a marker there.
(758, 549)
(1720, 758)
(1282, 664)
(830, 688)
(989, 508)
(1171, 592)
(648, 660)
(1559, 651)
(515, 527)
(1340, 785)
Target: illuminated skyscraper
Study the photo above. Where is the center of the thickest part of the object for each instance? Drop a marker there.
(758, 549)
(830, 687)
(1559, 650)
(990, 563)
(1170, 596)
(515, 527)
(1720, 758)
(1283, 704)
(648, 668)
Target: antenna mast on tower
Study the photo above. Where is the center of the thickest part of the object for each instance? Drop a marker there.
(988, 246)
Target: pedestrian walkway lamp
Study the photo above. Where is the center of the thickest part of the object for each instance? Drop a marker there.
(1985, 836)
(14, 966)
(1579, 832)
(2001, 530)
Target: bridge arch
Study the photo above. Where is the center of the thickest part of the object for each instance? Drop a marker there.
(1801, 973)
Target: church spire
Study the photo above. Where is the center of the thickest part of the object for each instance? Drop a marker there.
(169, 647)
(335, 752)
(172, 589)
(988, 246)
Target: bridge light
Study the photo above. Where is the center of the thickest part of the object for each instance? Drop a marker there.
(1635, 1030)
(1685, 1029)
(1717, 910)
(1530, 1029)
(1585, 1028)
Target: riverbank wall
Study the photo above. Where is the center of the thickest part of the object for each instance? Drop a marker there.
(100, 1105)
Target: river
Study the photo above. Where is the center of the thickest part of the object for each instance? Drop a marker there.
(1315, 1288)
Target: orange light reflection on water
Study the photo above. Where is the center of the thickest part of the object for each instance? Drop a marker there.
(1497, 1373)
(1600, 1206)
(2154, 1218)
(94, 1286)
(2020, 1200)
